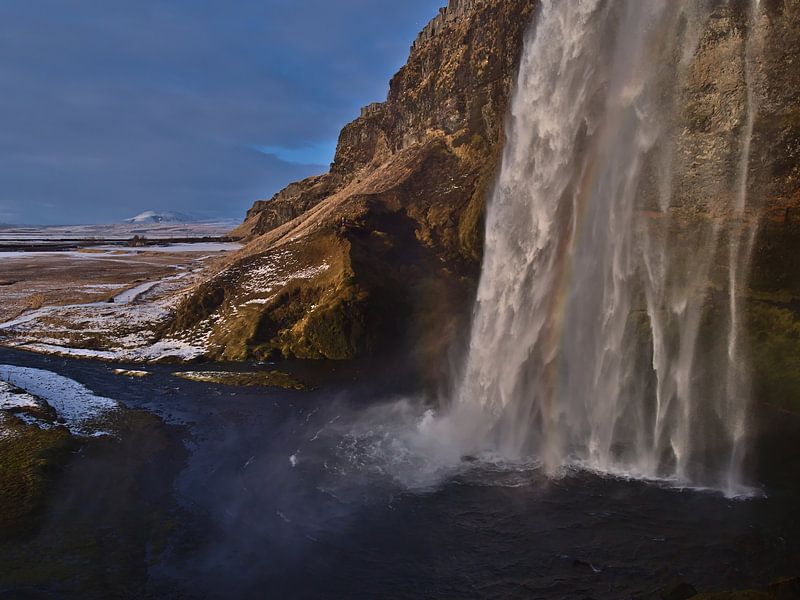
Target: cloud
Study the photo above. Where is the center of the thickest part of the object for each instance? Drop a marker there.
(111, 107)
(309, 154)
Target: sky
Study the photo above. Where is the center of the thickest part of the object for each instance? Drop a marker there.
(109, 108)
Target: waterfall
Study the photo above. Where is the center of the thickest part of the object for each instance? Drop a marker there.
(739, 253)
(593, 342)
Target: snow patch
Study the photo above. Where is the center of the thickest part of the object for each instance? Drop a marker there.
(71, 352)
(132, 294)
(72, 401)
(11, 399)
(151, 216)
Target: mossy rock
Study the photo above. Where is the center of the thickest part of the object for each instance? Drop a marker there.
(335, 331)
(774, 330)
(109, 517)
(29, 458)
(245, 379)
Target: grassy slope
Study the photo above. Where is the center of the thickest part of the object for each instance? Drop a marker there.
(29, 458)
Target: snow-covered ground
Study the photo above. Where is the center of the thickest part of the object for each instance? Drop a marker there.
(132, 294)
(122, 231)
(11, 399)
(73, 402)
(120, 252)
(204, 247)
(120, 330)
(129, 326)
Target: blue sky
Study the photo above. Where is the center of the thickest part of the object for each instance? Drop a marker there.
(112, 107)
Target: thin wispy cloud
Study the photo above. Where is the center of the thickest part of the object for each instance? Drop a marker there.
(321, 153)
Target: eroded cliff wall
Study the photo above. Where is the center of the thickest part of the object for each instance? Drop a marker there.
(383, 251)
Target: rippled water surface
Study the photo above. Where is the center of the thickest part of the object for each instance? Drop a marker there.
(255, 493)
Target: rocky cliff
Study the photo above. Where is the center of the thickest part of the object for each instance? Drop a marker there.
(774, 295)
(383, 251)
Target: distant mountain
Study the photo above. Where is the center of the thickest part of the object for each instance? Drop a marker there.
(151, 216)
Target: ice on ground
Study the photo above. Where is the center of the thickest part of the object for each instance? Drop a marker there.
(115, 252)
(74, 254)
(11, 399)
(164, 349)
(72, 401)
(26, 318)
(132, 294)
(129, 329)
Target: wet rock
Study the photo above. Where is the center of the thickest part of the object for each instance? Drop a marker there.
(741, 595)
(245, 379)
(396, 222)
(785, 589)
(679, 591)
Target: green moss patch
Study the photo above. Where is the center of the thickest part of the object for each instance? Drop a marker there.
(245, 379)
(113, 516)
(29, 457)
(775, 350)
(131, 373)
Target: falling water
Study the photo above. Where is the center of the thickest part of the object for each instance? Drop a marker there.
(592, 341)
(739, 251)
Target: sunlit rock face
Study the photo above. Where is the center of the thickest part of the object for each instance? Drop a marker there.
(397, 220)
(384, 250)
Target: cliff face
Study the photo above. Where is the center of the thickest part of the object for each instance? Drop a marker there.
(383, 250)
(741, 101)
(773, 302)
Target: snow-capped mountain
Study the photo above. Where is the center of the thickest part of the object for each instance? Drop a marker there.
(151, 216)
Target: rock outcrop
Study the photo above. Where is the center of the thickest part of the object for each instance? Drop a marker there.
(383, 251)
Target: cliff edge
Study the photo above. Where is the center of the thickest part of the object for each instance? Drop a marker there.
(382, 251)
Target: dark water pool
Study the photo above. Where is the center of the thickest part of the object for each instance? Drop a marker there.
(237, 493)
